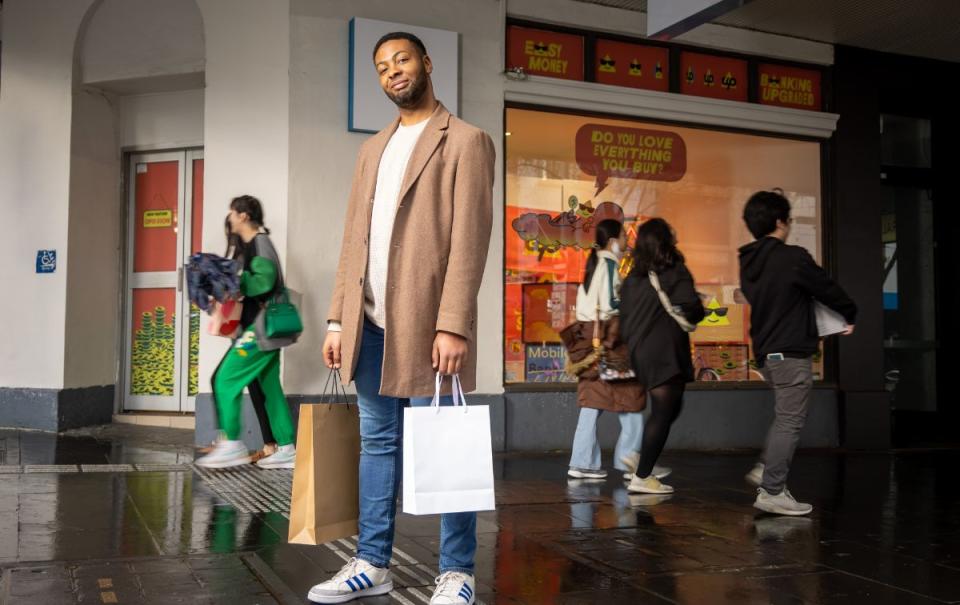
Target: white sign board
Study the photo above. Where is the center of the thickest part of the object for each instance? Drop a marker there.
(369, 108)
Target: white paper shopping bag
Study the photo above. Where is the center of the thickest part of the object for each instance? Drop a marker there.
(829, 322)
(447, 456)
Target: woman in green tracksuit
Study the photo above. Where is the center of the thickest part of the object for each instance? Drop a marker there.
(244, 362)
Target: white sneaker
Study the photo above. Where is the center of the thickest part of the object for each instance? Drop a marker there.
(355, 580)
(648, 485)
(755, 476)
(225, 454)
(284, 457)
(782, 504)
(632, 460)
(454, 588)
(577, 473)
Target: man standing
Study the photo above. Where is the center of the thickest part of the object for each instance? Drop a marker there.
(781, 283)
(414, 247)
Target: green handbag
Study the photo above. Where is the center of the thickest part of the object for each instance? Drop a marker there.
(281, 318)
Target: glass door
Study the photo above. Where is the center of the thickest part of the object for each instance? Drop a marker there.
(162, 328)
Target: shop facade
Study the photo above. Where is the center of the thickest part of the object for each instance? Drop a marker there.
(140, 134)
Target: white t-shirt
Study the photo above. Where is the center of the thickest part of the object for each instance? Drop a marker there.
(393, 166)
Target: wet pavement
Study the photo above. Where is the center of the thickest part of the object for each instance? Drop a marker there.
(117, 515)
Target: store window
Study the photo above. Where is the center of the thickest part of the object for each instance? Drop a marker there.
(567, 172)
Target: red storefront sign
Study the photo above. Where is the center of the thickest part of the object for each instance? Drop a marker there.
(713, 76)
(545, 53)
(633, 65)
(789, 86)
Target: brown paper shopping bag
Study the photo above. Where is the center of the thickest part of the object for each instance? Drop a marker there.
(325, 504)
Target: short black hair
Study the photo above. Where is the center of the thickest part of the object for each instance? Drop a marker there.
(400, 36)
(763, 210)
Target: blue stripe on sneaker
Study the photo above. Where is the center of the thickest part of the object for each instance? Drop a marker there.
(363, 575)
(464, 596)
(468, 589)
(350, 584)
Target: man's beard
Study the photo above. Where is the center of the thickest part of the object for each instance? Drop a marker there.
(405, 99)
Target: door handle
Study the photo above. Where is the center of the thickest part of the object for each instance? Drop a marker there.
(180, 279)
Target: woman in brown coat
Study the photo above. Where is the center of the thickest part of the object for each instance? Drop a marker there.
(598, 298)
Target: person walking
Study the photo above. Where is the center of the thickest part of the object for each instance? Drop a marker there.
(598, 300)
(257, 397)
(781, 282)
(244, 363)
(658, 306)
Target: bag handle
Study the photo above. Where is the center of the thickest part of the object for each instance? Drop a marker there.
(336, 392)
(456, 391)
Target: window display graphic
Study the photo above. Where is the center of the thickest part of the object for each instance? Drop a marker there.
(565, 173)
(546, 233)
(545, 364)
(724, 362)
(152, 352)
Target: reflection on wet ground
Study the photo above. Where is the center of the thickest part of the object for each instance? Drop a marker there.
(886, 529)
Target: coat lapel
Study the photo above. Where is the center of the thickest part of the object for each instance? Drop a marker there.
(432, 134)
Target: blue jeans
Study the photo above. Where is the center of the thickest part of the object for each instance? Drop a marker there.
(586, 448)
(381, 467)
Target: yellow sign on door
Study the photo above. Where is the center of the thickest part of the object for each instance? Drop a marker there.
(153, 219)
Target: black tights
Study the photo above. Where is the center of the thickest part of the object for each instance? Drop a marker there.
(666, 401)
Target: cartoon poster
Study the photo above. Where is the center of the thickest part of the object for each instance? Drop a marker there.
(725, 321)
(547, 309)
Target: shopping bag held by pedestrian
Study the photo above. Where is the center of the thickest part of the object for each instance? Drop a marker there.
(324, 505)
(225, 318)
(447, 456)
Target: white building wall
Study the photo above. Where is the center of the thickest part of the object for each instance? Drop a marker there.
(167, 120)
(94, 244)
(35, 122)
(246, 125)
(142, 38)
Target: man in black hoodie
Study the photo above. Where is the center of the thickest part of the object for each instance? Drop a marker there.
(781, 283)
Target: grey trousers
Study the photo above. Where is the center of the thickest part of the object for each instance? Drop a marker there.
(792, 380)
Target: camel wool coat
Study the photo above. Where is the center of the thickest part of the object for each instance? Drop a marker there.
(437, 253)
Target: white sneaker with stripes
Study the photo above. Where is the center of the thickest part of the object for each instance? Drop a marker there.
(355, 580)
(454, 588)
